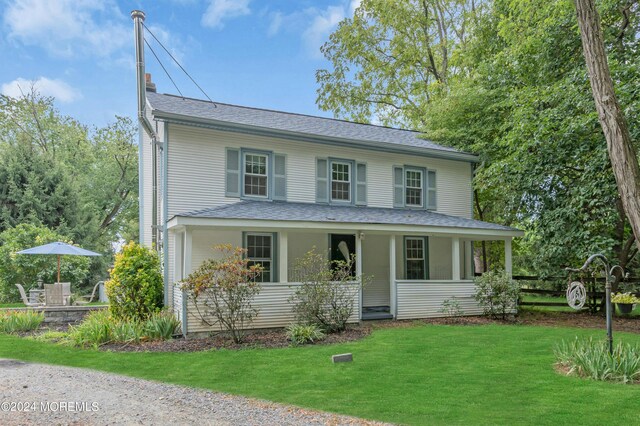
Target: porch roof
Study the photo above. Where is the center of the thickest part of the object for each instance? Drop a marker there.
(329, 216)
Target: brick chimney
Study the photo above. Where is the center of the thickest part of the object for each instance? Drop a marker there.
(150, 85)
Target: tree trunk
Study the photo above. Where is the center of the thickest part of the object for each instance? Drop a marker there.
(621, 153)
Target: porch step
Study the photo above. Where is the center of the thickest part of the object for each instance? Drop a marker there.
(369, 316)
(376, 313)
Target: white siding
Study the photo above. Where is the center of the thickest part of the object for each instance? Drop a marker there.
(204, 242)
(375, 266)
(299, 244)
(423, 299)
(273, 302)
(440, 266)
(177, 302)
(197, 170)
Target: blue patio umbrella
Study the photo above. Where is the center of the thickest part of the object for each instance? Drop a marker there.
(59, 249)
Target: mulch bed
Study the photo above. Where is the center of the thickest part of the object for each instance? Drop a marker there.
(253, 339)
(276, 338)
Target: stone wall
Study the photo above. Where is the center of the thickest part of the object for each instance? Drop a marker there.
(63, 314)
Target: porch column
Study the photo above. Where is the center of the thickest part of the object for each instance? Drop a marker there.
(455, 259)
(468, 260)
(392, 274)
(283, 255)
(508, 268)
(359, 270)
(186, 269)
(178, 261)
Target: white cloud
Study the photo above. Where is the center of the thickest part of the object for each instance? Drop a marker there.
(276, 23)
(313, 24)
(68, 27)
(323, 23)
(43, 85)
(353, 5)
(221, 10)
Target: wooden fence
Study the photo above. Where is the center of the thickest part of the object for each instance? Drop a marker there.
(595, 297)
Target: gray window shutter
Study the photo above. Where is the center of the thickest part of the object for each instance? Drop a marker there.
(431, 201)
(398, 186)
(232, 175)
(361, 184)
(322, 180)
(279, 177)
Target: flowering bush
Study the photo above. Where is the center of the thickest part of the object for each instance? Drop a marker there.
(624, 298)
(226, 288)
(497, 293)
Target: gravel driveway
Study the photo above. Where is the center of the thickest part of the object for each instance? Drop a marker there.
(52, 395)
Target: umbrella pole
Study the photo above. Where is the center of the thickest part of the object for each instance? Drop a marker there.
(58, 268)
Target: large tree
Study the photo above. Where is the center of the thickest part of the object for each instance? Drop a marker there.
(79, 181)
(518, 95)
(614, 125)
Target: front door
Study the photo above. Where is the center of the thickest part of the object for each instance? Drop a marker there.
(342, 247)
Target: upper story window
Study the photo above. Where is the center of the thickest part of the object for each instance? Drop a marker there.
(340, 181)
(256, 178)
(255, 174)
(414, 187)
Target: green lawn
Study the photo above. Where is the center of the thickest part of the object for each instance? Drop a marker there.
(424, 374)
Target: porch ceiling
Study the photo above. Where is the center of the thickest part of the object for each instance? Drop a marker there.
(318, 216)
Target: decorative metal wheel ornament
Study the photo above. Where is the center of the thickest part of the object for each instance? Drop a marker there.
(576, 295)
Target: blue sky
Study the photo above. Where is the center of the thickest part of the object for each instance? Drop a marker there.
(261, 53)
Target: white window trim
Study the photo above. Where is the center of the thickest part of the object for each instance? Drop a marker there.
(349, 181)
(245, 173)
(273, 257)
(421, 187)
(424, 257)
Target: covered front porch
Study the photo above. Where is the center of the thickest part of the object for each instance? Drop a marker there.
(409, 270)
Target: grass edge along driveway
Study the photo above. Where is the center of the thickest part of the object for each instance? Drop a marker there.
(423, 374)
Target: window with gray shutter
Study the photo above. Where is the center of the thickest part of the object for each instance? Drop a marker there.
(279, 177)
(398, 186)
(232, 174)
(322, 182)
(432, 202)
(361, 184)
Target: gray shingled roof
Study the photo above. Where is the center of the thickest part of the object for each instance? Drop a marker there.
(309, 212)
(289, 122)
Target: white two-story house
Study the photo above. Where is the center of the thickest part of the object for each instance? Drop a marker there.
(279, 184)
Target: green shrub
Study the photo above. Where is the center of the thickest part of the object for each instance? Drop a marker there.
(161, 326)
(20, 321)
(451, 308)
(94, 330)
(586, 358)
(126, 331)
(497, 294)
(300, 334)
(136, 285)
(326, 295)
(25, 269)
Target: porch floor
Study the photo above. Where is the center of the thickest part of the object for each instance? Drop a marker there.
(370, 313)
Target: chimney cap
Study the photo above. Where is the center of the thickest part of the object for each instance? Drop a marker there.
(137, 14)
(149, 85)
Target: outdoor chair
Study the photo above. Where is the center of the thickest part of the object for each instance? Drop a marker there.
(53, 295)
(24, 297)
(66, 292)
(83, 300)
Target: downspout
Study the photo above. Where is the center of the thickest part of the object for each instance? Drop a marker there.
(138, 18)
